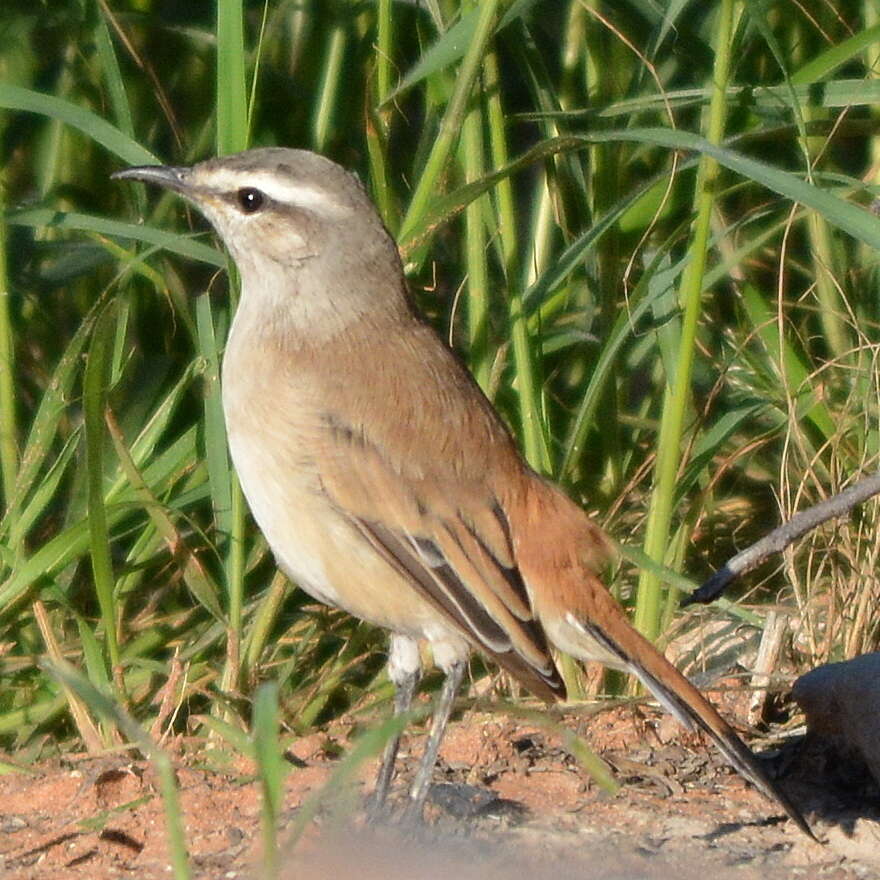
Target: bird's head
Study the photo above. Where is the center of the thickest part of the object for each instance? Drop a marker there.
(296, 224)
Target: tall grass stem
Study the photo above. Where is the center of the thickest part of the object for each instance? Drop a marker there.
(8, 408)
(677, 395)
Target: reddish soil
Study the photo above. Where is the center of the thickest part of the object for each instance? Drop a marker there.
(680, 812)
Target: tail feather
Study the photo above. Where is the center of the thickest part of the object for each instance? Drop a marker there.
(682, 700)
(558, 552)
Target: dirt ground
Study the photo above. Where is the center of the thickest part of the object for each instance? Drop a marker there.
(509, 801)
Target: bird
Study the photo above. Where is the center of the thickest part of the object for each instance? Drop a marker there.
(382, 478)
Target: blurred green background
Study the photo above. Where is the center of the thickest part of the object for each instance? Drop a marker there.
(648, 228)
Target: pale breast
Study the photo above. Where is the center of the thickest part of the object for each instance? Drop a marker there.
(323, 552)
(279, 501)
(276, 399)
(275, 443)
(268, 427)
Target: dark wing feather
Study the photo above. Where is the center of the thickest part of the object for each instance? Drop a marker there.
(451, 541)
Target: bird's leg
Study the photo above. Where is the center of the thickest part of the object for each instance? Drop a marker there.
(404, 666)
(443, 710)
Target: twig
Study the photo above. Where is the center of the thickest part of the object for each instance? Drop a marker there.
(780, 538)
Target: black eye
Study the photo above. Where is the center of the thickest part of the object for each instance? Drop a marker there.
(250, 199)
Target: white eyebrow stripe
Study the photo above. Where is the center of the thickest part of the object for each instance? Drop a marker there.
(290, 192)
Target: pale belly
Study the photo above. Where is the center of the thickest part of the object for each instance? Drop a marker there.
(324, 553)
(283, 508)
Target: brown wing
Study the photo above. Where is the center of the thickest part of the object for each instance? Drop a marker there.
(448, 533)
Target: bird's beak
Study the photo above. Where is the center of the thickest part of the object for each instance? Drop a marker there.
(173, 177)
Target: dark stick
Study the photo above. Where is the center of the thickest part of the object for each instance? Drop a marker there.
(780, 538)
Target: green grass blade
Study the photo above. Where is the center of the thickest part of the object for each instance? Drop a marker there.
(229, 512)
(145, 446)
(677, 395)
(93, 126)
(271, 771)
(331, 84)
(478, 311)
(825, 63)
(216, 453)
(843, 214)
(51, 556)
(624, 326)
(446, 51)
(232, 108)
(453, 118)
(235, 736)
(47, 218)
(115, 81)
(576, 745)
(195, 574)
(264, 619)
(828, 93)
(39, 502)
(526, 360)
(8, 407)
(451, 46)
(95, 383)
(40, 711)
